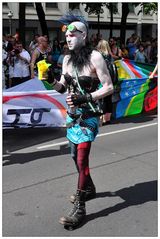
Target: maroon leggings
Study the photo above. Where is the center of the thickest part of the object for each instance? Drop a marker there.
(80, 154)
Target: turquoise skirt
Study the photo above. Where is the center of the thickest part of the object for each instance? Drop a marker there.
(79, 134)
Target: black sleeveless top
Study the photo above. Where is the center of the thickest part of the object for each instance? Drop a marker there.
(88, 85)
(41, 57)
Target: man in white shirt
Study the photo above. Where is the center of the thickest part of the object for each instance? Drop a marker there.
(21, 63)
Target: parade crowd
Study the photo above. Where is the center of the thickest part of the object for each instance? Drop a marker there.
(19, 64)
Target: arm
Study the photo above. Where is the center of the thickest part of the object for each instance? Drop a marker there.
(60, 61)
(118, 55)
(154, 71)
(33, 60)
(61, 85)
(103, 75)
(136, 56)
(26, 58)
(137, 40)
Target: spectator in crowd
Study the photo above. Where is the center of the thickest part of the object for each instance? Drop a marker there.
(115, 50)
(58, 70)
(93, 40)
(124, 51)
(104, 48)
(4, 58)
(40, 53)
(154, 51)
(5, 66)
(155, 71)
(34, 43)
(56, 52)
(16, 36)
(132, 46)
(118, 42)
(5, 42)
(98, 37)
(8, 42)
(19, 60)
(61, 57)
(49, 44)
(147, 50)
(140, 55)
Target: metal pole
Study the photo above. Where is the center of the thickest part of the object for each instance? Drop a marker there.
(10, 26)
(10, 15)
(139, 23)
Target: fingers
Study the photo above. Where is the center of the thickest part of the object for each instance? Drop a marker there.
(69, 101)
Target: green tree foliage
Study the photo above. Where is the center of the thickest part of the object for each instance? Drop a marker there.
(97, 9)
(150, 8)
(147, 8)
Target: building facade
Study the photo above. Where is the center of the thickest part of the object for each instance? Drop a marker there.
(144, 25)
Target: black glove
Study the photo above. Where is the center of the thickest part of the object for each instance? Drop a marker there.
(81, 99)
(68, 78)
(50, 75)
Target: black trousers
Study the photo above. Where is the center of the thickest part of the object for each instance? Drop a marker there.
(19, 80)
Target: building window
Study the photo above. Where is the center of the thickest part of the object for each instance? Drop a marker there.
(131, 7)
(50, 5)
(5, 5)
(73, 6)
(29, 4)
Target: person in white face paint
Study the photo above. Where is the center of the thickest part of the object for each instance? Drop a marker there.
(82, 72)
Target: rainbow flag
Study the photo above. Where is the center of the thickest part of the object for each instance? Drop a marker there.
(134, 92)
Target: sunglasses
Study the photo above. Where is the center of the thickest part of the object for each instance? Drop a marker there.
(70, 28)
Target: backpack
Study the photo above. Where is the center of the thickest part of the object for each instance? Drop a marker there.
(112, 70)
(105, 103)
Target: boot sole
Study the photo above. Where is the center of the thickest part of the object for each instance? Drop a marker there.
(70, 226)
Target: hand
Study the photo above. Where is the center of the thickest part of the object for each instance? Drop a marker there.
(74, 100)
(32, 75)
(151, 76)
(50, 76)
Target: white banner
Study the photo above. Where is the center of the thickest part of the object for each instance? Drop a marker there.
(34, 109)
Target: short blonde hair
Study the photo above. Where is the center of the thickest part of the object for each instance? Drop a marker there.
(103, 47)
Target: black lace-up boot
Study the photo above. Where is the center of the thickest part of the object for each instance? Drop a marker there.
(90, 193)
(78, 213)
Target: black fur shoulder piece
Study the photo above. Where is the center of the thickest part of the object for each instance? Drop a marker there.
(82, 58)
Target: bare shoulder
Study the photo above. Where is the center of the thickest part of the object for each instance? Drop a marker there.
(96, 57)
(66, 58)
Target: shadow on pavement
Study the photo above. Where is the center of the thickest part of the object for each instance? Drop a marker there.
(138, 194)
(140, 118)
(21, 158)
(15, 139)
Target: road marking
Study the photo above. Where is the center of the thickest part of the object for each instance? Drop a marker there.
(99, 135)
(128, 129)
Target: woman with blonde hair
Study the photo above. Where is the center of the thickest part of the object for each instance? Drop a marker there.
(104, 48)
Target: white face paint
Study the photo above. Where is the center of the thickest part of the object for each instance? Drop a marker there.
(76, 39)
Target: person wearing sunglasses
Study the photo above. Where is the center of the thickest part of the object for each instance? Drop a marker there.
(82, 72)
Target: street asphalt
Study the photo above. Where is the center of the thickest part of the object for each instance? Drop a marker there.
(39, 176)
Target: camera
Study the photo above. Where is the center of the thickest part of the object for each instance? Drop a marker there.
(15, 52)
